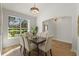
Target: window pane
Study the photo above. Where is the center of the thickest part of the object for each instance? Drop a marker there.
(14, 26)
(24, 26)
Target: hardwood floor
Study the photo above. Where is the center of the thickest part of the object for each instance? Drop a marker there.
(8, 48)
(58, 49)
(62, 49)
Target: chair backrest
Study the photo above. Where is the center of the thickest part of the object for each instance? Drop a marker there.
(21, 42)
(26, 41)
(38, 34)
(27, 37)
(48, 44)
(42, 34)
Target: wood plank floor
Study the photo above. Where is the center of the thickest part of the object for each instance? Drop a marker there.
(62, 49)
(58, 49)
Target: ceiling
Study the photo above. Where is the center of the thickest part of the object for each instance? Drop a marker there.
(20, 7)
(25, 7)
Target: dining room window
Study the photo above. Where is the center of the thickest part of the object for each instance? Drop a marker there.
(16, 26)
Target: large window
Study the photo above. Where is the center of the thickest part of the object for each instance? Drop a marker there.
(16, 26)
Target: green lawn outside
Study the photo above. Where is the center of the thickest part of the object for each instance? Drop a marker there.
(12, 32)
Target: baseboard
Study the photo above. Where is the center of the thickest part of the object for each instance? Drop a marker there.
(66, 43)
(62, 41)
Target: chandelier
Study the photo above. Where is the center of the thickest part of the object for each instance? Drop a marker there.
(34, 10)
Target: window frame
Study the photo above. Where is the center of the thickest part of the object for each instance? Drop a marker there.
(28, 25)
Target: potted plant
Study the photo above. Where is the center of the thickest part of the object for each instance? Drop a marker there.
(34, 30)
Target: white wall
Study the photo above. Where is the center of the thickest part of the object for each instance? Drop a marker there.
(61, 29)
(1, 15)
(52, 10)
(51, 26)
(0, 29)
(77, 30)
(6, 13)
(64, 29)
(78, 47)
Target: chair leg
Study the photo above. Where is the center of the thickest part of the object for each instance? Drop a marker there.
(50, 52)
(29, 53)
(20, 48)
(45, 54)
(24, 51)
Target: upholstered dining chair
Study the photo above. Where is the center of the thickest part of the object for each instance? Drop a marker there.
(28, 45)
(42, 34)
(21, 43)
(47, 46)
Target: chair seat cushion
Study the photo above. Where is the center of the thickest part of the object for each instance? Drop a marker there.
(43, 48)
(32, 46)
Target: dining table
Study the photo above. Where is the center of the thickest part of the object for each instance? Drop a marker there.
(38, 40)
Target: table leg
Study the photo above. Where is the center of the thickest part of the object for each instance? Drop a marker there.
(38, 49)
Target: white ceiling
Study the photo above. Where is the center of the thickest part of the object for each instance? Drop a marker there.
(25, 7)
(20, 7)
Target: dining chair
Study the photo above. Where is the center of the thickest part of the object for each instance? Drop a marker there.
(42, 34)
(47, 46)
(28, 45)
(21, 43)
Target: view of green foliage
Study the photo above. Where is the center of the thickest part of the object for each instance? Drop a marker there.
(17, 26)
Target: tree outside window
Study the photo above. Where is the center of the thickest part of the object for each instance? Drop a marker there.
(16, 26)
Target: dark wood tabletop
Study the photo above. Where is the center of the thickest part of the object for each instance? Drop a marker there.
(38, 40)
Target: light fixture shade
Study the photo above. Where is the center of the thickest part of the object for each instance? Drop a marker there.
(34, 10)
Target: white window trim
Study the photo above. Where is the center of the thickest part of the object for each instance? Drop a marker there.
(28, 30)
